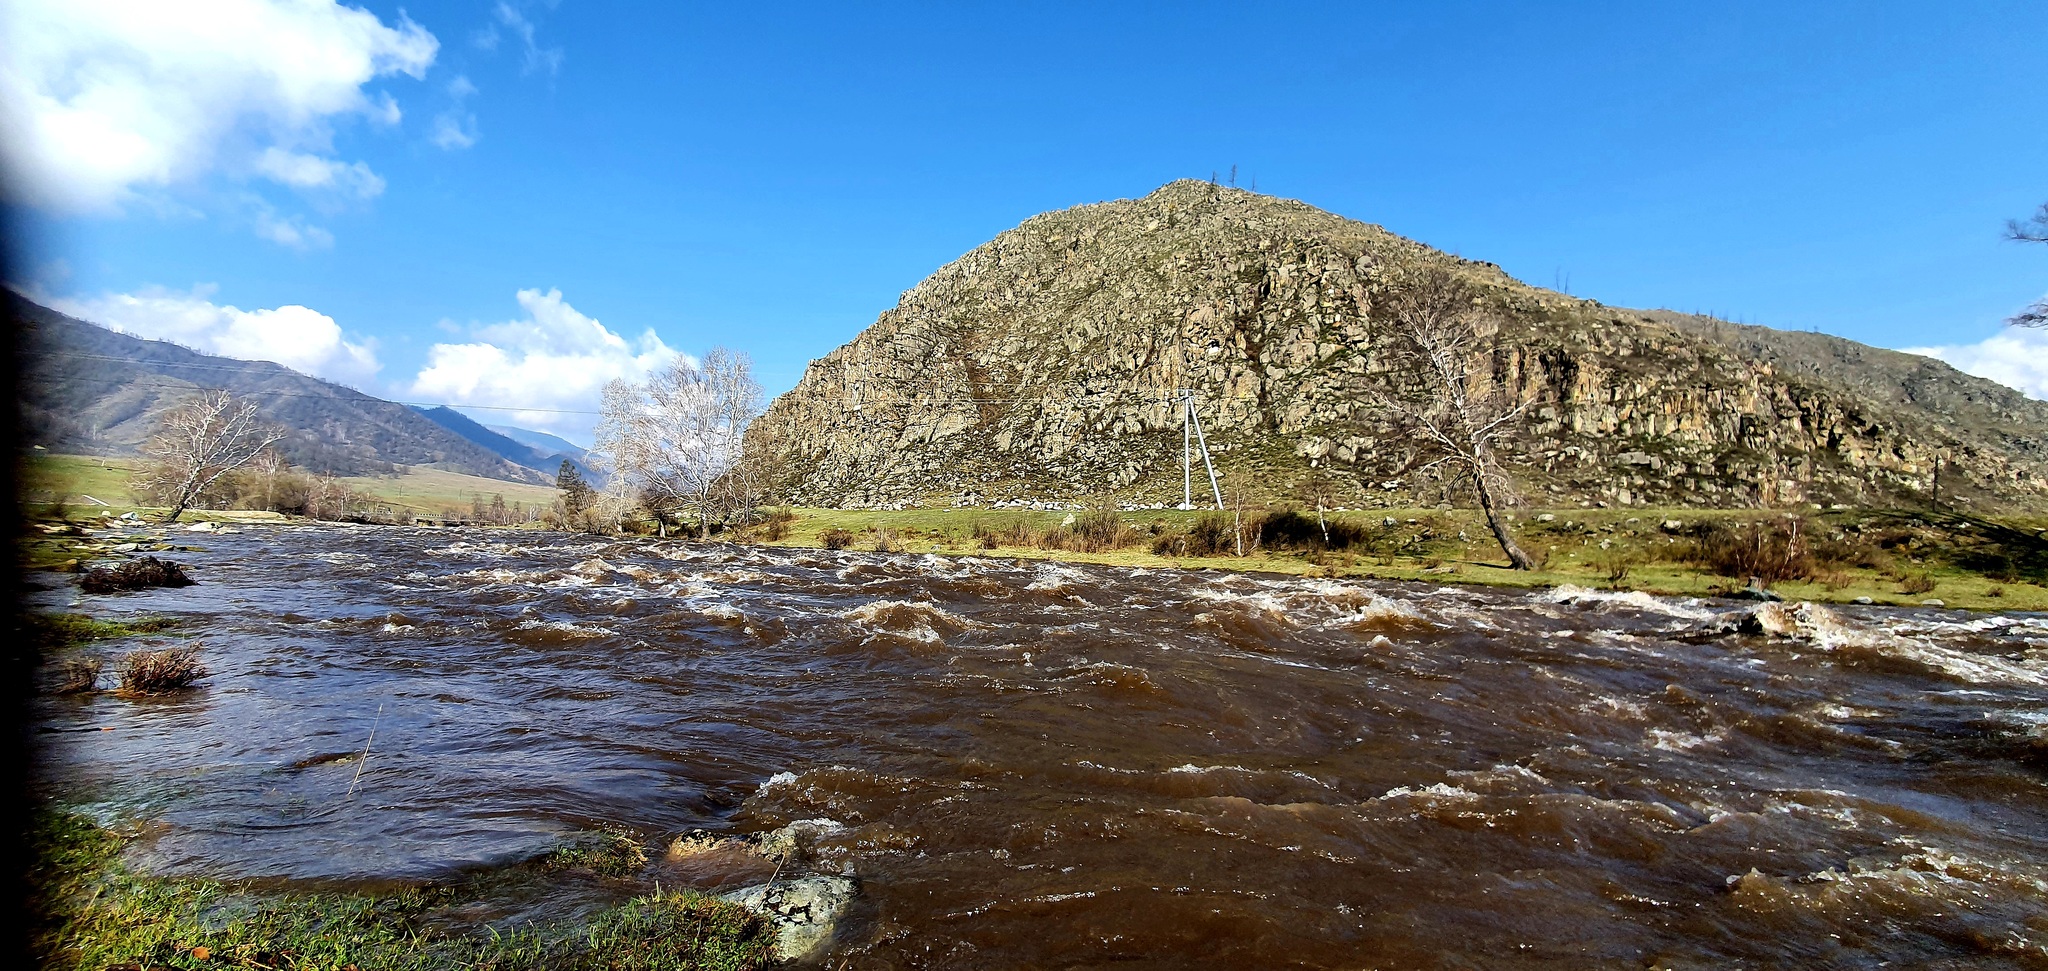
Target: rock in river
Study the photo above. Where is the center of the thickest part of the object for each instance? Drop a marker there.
(804, 912)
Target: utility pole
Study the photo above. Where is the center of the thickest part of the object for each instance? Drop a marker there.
(1194, 420)
(1190, 421)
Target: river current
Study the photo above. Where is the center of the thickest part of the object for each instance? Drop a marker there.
(1038, 765)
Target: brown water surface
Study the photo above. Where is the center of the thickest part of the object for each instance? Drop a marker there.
(1037, 765)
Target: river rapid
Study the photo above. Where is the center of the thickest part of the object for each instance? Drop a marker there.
(1036, 765)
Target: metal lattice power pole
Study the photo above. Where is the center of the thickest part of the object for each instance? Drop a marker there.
(1187, 457)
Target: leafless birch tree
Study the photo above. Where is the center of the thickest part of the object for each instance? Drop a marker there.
(197, 442)
(1439, 393)
(2034, 230)
(676, 442)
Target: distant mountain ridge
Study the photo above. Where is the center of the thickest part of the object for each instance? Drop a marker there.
(94, 391)
(510, 448)
(542, 442)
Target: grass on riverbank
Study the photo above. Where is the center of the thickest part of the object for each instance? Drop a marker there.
(91, 912)
(1898, 560)
(1886, 557)
(68, 480)
(430, 492)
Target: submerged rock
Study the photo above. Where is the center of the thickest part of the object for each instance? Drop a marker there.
(804, 912)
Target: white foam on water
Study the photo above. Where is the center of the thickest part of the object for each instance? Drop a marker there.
(1501, 773)
(1577, 596)
(1671, 741)
(565, 627)
(906, 616)
(1055, 577)
(735, 577)
(1433, 791)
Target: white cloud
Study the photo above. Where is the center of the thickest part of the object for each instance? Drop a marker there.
(291, 232)
(299, 338)
(537, 58)
(554, 359)
(103, 99)
(302, 171)
(456, 127)
(2016, 357)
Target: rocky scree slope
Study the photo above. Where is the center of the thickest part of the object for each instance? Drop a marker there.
(1045, 366)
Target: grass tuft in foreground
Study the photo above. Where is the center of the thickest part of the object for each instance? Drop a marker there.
(78, 676)
(91, 912)
(607, 852)
(160, 672)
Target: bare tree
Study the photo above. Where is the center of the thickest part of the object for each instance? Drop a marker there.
(198, 441)
(676, 441)
(269, 466)
(2034, 230)
(1321, 491)
(1440, 395)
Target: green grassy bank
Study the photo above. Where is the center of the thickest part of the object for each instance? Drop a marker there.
(1885, 557)
(50, 477)
(92, 912)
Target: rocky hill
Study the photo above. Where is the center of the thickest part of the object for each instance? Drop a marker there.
(92, 391)
(1045, 365)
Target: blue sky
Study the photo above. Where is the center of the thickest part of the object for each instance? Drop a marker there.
(495, 203)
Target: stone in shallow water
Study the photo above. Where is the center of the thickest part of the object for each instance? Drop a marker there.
(792, 843)
(804, 912)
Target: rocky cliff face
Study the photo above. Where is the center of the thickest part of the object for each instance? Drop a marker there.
(1047, 364)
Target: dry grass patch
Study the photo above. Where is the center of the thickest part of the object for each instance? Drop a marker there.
(160, 672)
(78, 676)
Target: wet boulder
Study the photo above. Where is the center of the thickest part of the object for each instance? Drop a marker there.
(135, 574)
(804, 912)
(1805, 621)
(792, 843)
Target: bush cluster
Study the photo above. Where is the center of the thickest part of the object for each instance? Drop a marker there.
(1771, 551)
(1094, 531)
(1219, 534)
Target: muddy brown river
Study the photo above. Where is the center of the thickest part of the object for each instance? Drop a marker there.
(1035, 765)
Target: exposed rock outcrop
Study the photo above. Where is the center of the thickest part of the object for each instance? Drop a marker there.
(1047, 363)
